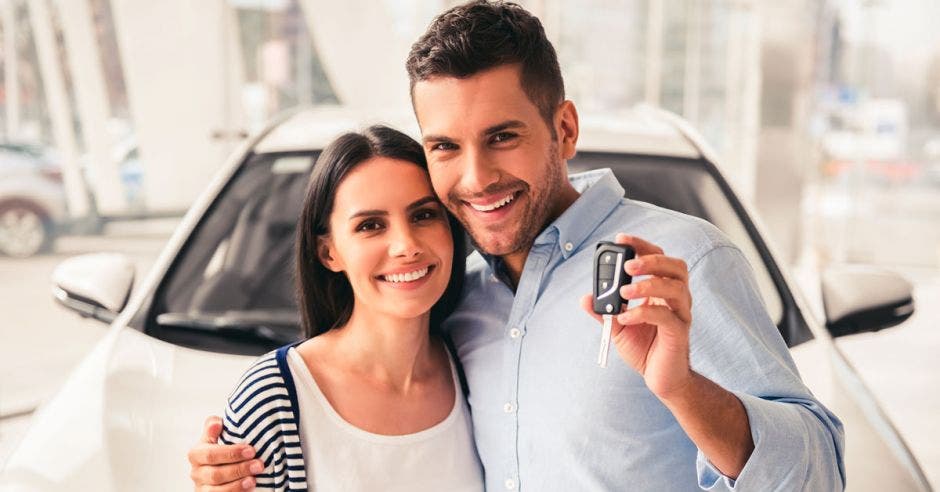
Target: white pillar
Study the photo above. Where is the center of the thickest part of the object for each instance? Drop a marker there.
(93, 107)
(750, 99)
(11, 82)
(691, 90)
(360, 51)
(183, 73)
(58, 106)
(654, 53)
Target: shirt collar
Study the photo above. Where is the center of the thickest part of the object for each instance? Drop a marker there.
(600, 193)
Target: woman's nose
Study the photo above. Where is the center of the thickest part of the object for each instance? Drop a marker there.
(404, 243)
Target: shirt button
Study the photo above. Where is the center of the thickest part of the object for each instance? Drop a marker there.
(515, 333)
(510, 484)
(569, 246)
(509, 407)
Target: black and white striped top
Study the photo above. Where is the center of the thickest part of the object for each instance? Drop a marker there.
(262, 412)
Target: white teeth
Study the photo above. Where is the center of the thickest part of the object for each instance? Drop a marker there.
(406, 277)
(492, 206)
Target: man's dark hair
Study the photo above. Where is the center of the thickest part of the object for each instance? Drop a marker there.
(325, 298)
(480, 35)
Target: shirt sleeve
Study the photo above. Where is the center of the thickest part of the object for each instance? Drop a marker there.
(798, 442)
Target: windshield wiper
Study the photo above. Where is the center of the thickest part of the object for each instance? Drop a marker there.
(272, 328)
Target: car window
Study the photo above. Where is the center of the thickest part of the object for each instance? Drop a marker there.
(231, 287)
(685, 186)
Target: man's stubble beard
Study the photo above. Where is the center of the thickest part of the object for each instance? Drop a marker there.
(538, 212)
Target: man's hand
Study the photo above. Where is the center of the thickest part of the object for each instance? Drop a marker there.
(654, 336)
(654, 339)
(218, 467)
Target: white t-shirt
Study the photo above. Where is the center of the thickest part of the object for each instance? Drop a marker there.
(340, 456)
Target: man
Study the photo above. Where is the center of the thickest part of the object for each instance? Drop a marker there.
(703, 395)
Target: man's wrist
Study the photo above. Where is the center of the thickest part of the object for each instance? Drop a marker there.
(682, 393)
(716, 421)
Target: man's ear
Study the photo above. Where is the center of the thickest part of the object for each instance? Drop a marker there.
(566, 128)
(325, 254)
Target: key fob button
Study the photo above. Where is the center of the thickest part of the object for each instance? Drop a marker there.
(606, 272)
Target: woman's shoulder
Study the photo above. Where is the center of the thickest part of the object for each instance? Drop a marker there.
(262, 396)
(265, 369)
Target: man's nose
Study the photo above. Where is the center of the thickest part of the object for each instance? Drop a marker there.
(479, 171)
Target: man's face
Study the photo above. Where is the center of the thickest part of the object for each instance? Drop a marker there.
(492, 159)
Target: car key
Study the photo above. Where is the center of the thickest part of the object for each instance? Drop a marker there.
(609, 276)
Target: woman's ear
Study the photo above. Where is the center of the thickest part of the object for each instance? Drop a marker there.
(325, 253)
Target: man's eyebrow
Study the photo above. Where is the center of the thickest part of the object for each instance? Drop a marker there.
(376, 212)
(505, 125)
(499, 127)
(436, 138)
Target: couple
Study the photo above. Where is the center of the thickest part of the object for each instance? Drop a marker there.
(703, 395)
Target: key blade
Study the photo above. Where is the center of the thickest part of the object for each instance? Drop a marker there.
(605, 340)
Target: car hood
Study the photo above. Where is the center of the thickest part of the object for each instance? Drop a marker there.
(125, 418)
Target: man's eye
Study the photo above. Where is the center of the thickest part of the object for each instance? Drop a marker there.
(444, 146)
(503, 137)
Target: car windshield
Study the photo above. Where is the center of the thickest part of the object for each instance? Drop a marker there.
(231, 287)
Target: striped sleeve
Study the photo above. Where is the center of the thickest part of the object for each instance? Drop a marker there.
(261, 411)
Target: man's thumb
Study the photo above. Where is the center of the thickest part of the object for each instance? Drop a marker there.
(212, 429)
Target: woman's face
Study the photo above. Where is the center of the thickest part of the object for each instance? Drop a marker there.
(390, 235)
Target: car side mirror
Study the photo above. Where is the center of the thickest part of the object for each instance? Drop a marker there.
(95, 285)
(861, 299)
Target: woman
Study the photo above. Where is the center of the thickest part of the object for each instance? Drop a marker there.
(370, 400)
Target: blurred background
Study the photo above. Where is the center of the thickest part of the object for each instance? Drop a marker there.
(115, 114)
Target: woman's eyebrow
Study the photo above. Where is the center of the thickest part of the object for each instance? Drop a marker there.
(378, 212)
(368, 213)
(423, 201)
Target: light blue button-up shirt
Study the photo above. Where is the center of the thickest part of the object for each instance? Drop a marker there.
(547, 418)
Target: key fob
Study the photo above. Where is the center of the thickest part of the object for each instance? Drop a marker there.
(609, 276)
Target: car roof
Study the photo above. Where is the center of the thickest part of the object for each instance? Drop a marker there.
(639, 130)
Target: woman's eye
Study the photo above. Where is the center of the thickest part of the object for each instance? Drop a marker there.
(368, 226)
(426, 214)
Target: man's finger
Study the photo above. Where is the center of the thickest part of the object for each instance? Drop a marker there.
(236, 486)
(220, 454)
(663, 318)
(211, 430)
(675, 293)
(658, 265)
(226, 474)
(641, 246)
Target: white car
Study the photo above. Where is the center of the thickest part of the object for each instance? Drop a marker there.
(221, 294)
